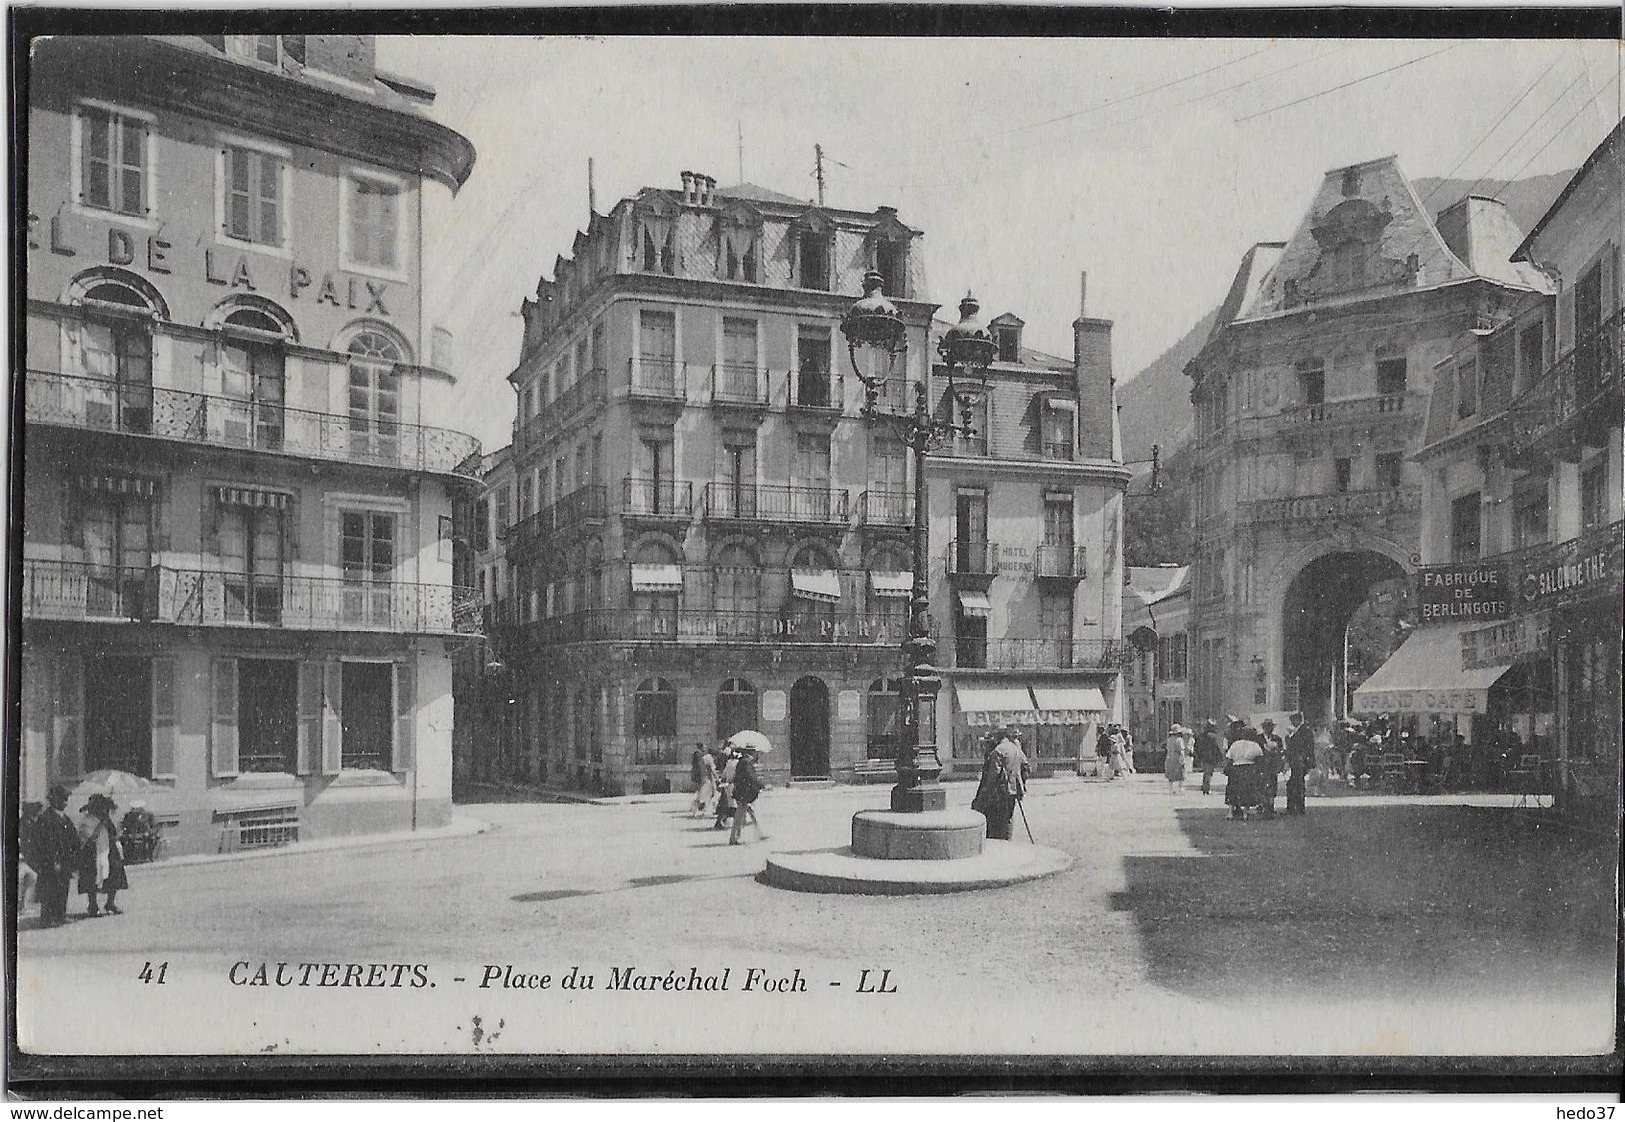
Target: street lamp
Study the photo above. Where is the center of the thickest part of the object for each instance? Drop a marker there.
(874, 324)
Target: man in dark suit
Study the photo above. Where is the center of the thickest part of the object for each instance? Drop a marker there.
(54, 853)
(1209, 754)
(1300, 757)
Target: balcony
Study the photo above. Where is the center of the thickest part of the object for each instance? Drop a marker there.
(583, 505)
(657, 498)
(886, 508)
(660, 378)
(1346, 506)
(70, 590)
(208, 419)
(970, 653)
(1395, 408)
(588, 392)
(689, 625)
(773, 503)
(735, 383)
(1061, 562)
(818, 390)
(1575, 402)
(972, 558)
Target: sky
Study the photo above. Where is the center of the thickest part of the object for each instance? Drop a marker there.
(1151, 165)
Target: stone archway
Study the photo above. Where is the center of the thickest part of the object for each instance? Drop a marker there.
(1320, 602)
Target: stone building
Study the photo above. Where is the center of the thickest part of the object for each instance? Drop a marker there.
(1309, 397)
(237, 534)
(1156, 615)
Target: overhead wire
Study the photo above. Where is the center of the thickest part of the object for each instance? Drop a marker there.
(1346, 85)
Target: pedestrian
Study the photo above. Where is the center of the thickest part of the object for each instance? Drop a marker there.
(1209, 753)
(725, 799)
(1243, 785)
(1274, 763)
(746, 785)
(707, 783)
(1119, 748)
(1103, 752)
(1128, 751)
(1004, 782)
(1177, 760)
(102, 858)
(1300, 757)
(54, 854)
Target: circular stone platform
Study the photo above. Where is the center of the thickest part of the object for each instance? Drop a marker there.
(841, 870)
(936, 835)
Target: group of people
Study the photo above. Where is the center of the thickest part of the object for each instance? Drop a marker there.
(57, 849)
(729, 775)
(1252, 758)
(1114, 747)
(1355, 750)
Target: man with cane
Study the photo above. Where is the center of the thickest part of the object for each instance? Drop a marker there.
(1004, 782)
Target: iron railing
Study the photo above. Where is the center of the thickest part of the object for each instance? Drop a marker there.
(774, 503)
(660, 377)
(1310, 509)
(589, 390)
(689, 625)
(1575, 386)
(200, 418)
(1061, 561)
(816, 389)
(969, 653)
(72, 590)
(738, 382)
(657, 497)
(584, 504)
(1058, 450)
(886, 508)
(972, 557)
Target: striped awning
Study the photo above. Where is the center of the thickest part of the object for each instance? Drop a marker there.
(822, 585)
(657, 578)
(892, 583)
(251, 496)
(118, 484)
(974, 604)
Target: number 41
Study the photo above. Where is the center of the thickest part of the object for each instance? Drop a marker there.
(148, 974)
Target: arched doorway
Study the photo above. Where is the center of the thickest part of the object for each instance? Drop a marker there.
(1343, 615)
(809, 729)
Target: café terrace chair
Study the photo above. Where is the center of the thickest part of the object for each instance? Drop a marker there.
(1527, 781)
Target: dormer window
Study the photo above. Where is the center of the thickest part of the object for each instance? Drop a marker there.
(814, 242)
(659, 247)
(1009, 342)
(891, 259)
(740, 254)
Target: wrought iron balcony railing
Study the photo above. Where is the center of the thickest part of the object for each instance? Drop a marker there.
(584, 504)
(71, 590)
(1036, 654)
(972, 557)
(774, 503)
(1402, 406)
(211, 419)
(886, 508)
(740, 383)
(688, 625)
(1580, 389)
(588, 391)
(1061, 561)
(816, 389)
(661, 377)
(655, 498)
(1342, 506)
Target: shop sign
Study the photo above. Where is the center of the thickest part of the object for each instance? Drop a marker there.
(1590, 564)
(775, 703)
(1452, 593)
(1516, 640)
(846, 705)
(1421, 701)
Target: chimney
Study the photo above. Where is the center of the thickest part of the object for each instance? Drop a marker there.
(710, 189)
(1083, 294)
(688, 186)
(1092, 372)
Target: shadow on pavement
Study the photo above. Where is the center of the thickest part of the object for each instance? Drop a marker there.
(1361, 901)
(631, 883)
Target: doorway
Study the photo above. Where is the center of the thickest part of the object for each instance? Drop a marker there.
(809, 729)
(118, 714)
(368, 715)
(267, 723)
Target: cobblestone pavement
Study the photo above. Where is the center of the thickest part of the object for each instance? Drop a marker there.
(1373, 924)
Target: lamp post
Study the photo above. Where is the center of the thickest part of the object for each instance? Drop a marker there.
(873, 324)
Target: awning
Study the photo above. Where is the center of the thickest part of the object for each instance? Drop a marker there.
(1425, 676)
(974, 604)
(1068, 705)
(990, 707)
(251, 496)
(822, 585)
(118, 484)
(657, 578)
(891, 583)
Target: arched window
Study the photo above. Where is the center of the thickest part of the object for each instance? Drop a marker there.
(654, 722)
(737, 591)
(375, 394)
(114, 356)
(885, 718)
(891, 579)
(737, 708)
(657, 589)
(815, 591)
(253, 381)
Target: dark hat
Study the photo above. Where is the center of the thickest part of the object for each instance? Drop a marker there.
(1297, 717)
(1269, 723)
(98, 803)
(57, 791)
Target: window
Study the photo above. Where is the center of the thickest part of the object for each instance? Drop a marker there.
(1594, 495)
(372, 222)
(1390, 470)
(253, 196)
(251, 544)
(735, 497)
(812, 477)
(813, 382)
(1172, 653)
(891, 260)
(503, 501)
(737, 588)
(527, 496)
(1345, 265)
(812, 259)
(267, 714)
(1343, 474)
(740, 253)
(971, 551)
(375, 395)
(1058, 417)
(736, 708)
(367, 713)
(117, 352)
(114, 161)
(1009, 343)
(1311, 382)
(123, 720)
(482, 527)
(888, 476)
(885, 718)
(367, 559)
(1390, 376)
(657, 352)
(1531, 353)
(1055, 624)
(654, 722)
(1464, 527)
(253, 383)
(255, 48)
(736, 379)
(655, 492)
(655, 598)
(113, 524)
(1530, 514)
(658, 242)
(1467, 388)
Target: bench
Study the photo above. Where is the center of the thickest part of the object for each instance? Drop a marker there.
(865, 770)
